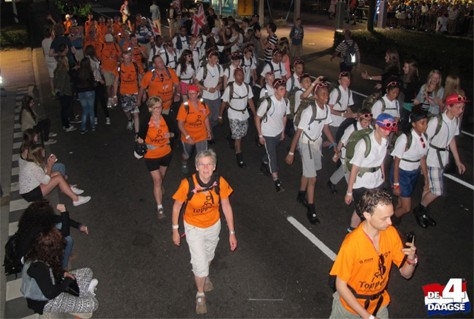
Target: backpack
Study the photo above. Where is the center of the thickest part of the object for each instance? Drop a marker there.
(370, 100)
(186, 105)
(269, 105)
(273, 68)
(408, 143)
(179, 42)
(192, 187)
(231, 93)
(339, 95)
(344, 125)
(136, 71)
(204, 71)
(350, 149)
(167, 58)
(11, 261)
(306, 102)
(351, 54)
(437, 130)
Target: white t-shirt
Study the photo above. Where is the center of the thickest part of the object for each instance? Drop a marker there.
(267, 90)
(238, 104)
(46, 45)
(169, 58)
(236, 46)
(391, 107)
(418, 148)
(312, 129)
(155, 50)
(229, 73)
(247, 66)
(375, 158)
(187, 76)
(184, 44)
(272, 124)
(344, 101)
(214, 73)
(293, 81)
(278, 70)
(30, 176)
(448, 131)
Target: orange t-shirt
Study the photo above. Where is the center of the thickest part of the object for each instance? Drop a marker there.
(128, 79)
(360, 265)
(109, 56)
(162, 85)
(137, 57)
(194, 121)
(203, 209)
(67, 26)
(156, 137)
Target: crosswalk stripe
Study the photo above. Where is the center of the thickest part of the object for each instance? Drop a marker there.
(13, 289)
(12, 228)
(18, 204)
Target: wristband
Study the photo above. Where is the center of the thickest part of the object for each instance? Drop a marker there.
(349, 193)
(370, 78)
(187, 137)
(260, 136)
(291, 153)
(232, 232)
(174, 226)
(371, 317)
(396, 184)
(413, 261)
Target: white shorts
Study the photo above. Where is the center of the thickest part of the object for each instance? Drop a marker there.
(310, 156)
(51, 67)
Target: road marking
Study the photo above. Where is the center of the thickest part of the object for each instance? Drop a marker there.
(264, 299)
(315, 240)
(460, 181)
(13, 289)
(467, 133)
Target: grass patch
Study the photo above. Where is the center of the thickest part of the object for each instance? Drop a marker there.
(449, 54)
(13, 37)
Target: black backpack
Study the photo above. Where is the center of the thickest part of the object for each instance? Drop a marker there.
(351, 54)
(11, 261)
(344, 125)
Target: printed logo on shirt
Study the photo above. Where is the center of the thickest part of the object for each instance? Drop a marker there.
(447, 300)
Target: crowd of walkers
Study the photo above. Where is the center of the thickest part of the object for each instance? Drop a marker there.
(177, 88)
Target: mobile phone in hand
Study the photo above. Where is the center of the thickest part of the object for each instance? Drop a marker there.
(409, 238)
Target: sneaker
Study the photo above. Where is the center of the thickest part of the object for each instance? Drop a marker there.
(76, 190)
(52, 134)
(76, 120)
(96, 121)
(50, 141)
(107, 121)
(130, 125)
(161, 213)
(240, 160)
(208, 286)
(81, 200)
(311, 214)
(69, 129)
(83, 131)
(93, 129)
(301, 198)
(201, 307)
(92, 286)
(332, 187)
(264, 169)
(278, 186)
(418, 212)
(184, 168)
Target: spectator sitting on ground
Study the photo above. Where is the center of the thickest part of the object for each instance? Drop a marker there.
(37, 180)
(30, 119)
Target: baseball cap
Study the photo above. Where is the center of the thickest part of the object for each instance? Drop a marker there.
(109, 37)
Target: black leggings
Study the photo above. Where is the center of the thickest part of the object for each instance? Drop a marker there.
(100, 98)
(43, 127)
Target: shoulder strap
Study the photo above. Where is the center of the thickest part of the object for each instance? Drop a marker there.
(191, 186)
(338, 95)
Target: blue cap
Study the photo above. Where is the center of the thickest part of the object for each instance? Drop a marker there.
(383, 117)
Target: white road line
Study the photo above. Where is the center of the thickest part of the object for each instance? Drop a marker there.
(460, 181)
(13, 289)
(318, 243)
(18, 204)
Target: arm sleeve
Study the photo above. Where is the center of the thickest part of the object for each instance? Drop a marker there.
(41, 273)
(400, 146)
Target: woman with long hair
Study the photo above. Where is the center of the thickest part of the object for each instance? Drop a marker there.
(284, 46)
(37, 180)
(62, 85)
(431, 93)
(410, 87)
(85, 85)
(186, 71)
(392, 70)
(45, 284)
(30, 119)
(99, 87)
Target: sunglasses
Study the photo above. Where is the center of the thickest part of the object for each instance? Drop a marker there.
(319, 85)
(366, 115)
(278, 82)
(387, 124)
(422, 140)
(393, 84)
(461, 98)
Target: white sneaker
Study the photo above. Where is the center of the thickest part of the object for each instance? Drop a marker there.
(52, 134)
(92, 286)
(107, 120)
(81, 200)
(70, 128)
(76, 190)
(96, 121)
(50, 141)
(130, 125)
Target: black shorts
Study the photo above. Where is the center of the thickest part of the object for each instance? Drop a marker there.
(154, 164)
(33, 195)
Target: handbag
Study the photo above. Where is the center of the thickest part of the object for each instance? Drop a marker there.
(139, 150)
(73, 288)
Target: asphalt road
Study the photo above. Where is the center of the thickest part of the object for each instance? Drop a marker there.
(276, 272)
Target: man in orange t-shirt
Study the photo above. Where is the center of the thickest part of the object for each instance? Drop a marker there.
(109, 55)
(362, 266)
(194, 126)
(127, 77)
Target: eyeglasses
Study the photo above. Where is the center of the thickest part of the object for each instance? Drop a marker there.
(461, 98)
(382, 268)
(422, 141)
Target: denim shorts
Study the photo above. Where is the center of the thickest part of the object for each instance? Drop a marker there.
(407, 181)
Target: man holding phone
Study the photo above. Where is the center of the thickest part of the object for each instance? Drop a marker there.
(362, 266)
